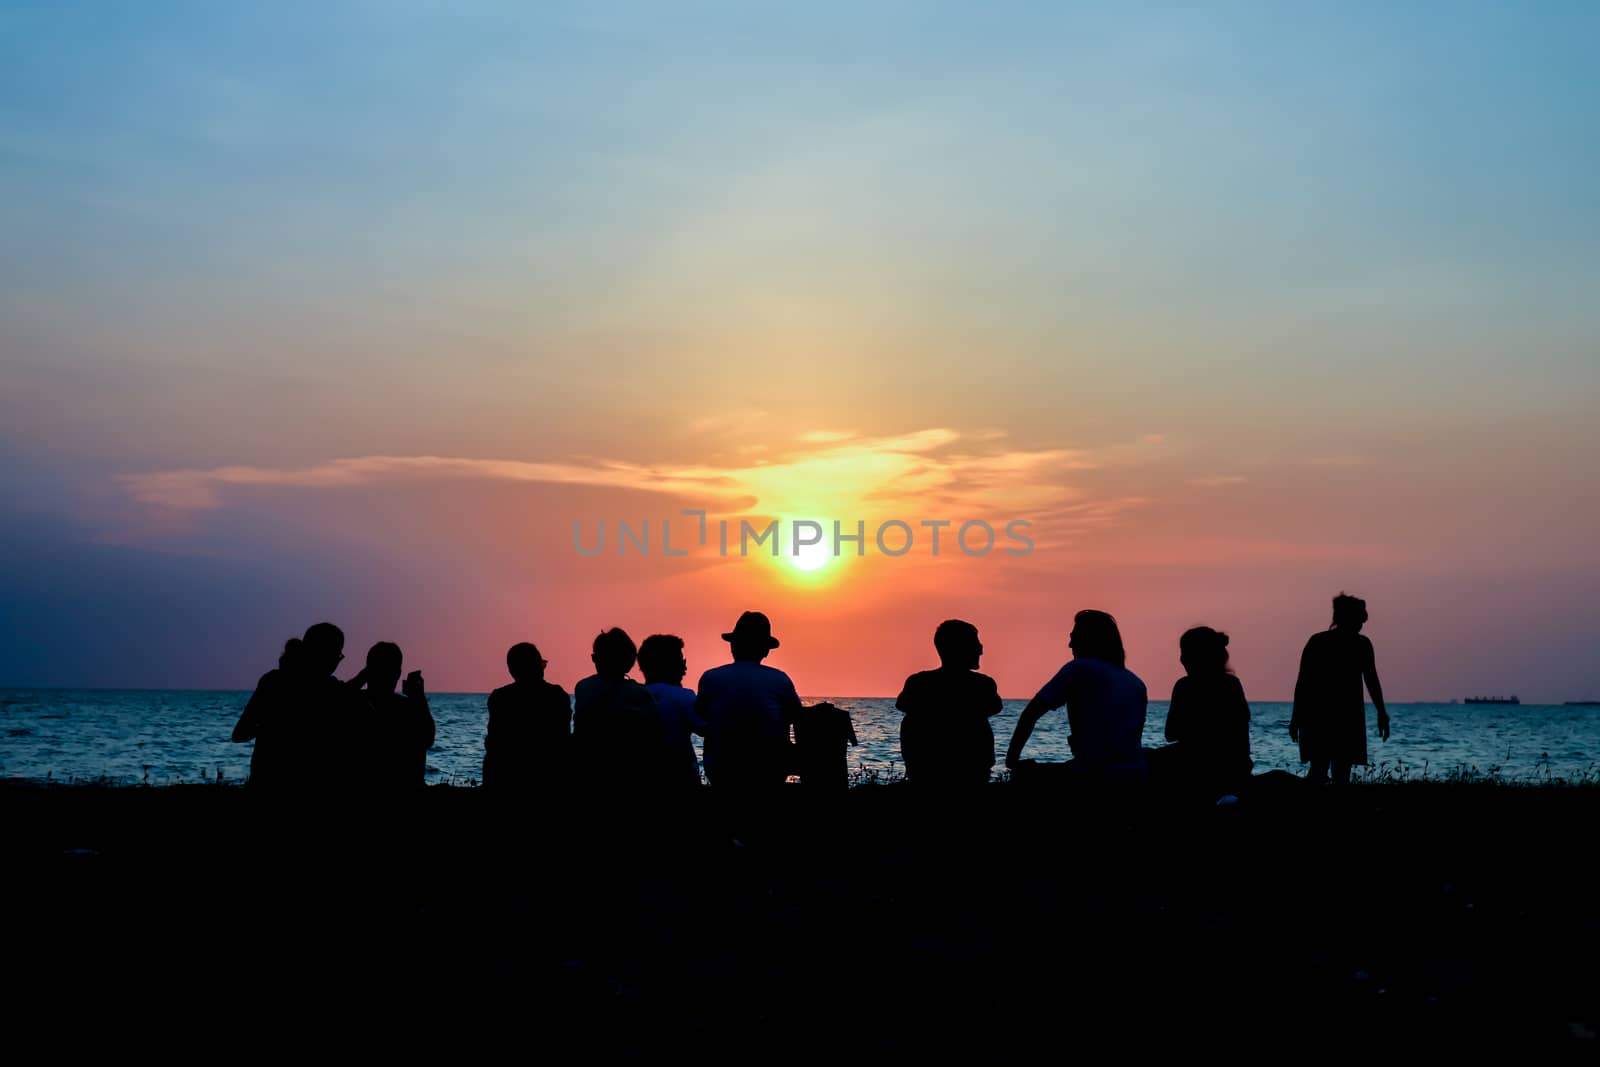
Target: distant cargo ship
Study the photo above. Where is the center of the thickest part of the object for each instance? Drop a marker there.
(1493, 700)
(1583, 703)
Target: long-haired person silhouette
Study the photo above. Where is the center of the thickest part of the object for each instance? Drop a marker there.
(1208, 720)
(1330, 716)
(1105, 705)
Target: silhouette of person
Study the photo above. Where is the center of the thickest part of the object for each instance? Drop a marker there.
(663, 666)
(308, 722)
(748, 708)
(616, 729)
(1208, 720)
(398, 727)
(529, 741)
(822, 736)
(1330, 717)
(1105, 705)
(945, 736)
(263, 715)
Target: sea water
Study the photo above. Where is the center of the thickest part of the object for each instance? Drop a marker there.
(167, 736)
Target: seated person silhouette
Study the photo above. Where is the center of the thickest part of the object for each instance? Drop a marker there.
(1330, 716)
(945, 737)
(747, 708)
(1105, 706)
(616, 729)
(529, 740)
(663, 666)
(398, 728)
(1208, 721)
(822, 736)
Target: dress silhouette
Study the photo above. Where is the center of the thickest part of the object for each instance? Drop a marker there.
(945, 736)
(1330, 716)
(529, 740)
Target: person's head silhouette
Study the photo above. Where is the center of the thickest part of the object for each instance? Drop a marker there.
(321, 649)
(958, 645)
(614, 653)
(1349, 613)
(751, 637)
(525, 663)
(290, 659)
(1095, 636)
(661, 659)
(383, 667)
(1203, 650)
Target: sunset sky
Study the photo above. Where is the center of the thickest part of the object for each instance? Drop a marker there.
(350, 311)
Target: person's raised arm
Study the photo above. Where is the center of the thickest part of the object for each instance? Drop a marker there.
(1369, 672)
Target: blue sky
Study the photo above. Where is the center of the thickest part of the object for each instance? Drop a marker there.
(1289, 240)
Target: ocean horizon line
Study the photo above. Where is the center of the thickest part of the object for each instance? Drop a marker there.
(247, 689)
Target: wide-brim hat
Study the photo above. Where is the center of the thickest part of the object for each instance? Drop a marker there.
(753, 627)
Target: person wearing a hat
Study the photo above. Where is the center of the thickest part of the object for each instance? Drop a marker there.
(747, 708)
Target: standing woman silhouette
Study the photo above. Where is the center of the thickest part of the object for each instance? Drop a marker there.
(1330, 715)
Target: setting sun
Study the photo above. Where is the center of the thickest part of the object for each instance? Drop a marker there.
(809, 557)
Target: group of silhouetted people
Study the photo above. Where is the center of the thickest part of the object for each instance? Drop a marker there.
(309, 727)
(617, 733)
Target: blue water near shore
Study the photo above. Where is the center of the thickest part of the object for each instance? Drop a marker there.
(166, 736)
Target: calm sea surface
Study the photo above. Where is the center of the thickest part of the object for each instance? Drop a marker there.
(164, 736)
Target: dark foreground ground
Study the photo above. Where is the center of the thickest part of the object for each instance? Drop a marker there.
(1017, 924)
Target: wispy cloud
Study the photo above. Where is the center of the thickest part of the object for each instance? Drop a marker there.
(741, 420)
(825, 437)
(200, 489)
(933, 473)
